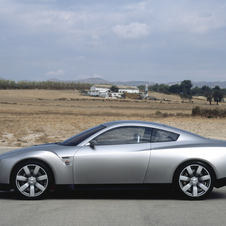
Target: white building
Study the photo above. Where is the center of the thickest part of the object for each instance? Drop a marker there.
(100, 88)
(106, 88)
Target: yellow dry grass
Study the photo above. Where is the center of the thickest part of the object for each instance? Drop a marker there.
(29, 117)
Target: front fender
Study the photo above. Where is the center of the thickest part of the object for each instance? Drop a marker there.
(62, 171)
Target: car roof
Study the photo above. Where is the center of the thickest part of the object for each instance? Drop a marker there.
(129, 122)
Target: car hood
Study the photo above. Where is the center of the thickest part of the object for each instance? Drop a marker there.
(53, 147)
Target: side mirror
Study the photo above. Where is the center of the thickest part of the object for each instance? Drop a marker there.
(92, 143)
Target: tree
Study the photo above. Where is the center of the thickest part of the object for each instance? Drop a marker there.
(205, 89)
(209, 97)
(186, 86)
(217, 88)
(141, 87)
(163, 88)
(208, 93)
(155, 87)
(176, 89)
(196, 91)
(218, 96)
(114, 89)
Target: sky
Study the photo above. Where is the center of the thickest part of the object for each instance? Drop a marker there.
(158, 41)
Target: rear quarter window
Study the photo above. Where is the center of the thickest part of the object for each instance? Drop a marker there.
(163, 136)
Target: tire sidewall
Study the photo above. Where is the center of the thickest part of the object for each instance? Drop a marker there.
(31, 162)
(177, 185)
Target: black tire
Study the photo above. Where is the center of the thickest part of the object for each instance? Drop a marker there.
(194, 180)
(31, 180)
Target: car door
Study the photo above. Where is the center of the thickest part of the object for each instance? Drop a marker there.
(121, 155)
(164, 157)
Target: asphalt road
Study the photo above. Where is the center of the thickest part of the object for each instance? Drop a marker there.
(115, 208)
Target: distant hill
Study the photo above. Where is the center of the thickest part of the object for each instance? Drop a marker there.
(93, 80)
(133, 83)
(173, 83)
(221, 84)
(87, 80)
(103, 81)
(54, 80)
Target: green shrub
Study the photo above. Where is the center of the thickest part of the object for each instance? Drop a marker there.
(209, 113)
(196, 111)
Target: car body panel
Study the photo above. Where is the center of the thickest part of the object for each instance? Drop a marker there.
(141, 163)
(164, 162)
(111, 164)
(55, 156)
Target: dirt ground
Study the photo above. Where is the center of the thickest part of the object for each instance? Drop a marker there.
(29, 117)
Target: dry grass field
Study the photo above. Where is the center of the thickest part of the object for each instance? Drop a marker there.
(29, 117)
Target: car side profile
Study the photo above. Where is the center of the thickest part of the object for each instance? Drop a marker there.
(119, 153)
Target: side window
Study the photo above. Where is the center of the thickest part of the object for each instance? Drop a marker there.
(125, 135)
(163, 136)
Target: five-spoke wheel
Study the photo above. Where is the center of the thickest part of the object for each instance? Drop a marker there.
(194, 180)
(31, 180)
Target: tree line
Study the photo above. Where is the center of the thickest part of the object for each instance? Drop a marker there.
(185, 90)
(10, 84)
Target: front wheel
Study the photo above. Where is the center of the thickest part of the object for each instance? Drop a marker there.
(194, 180)
(31, 180)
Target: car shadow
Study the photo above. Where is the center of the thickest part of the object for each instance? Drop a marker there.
(108, 194)
(217, 195)
(112, 194)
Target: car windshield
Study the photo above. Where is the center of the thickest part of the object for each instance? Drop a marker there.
(75, 140)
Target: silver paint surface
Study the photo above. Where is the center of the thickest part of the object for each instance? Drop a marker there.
(120, 164)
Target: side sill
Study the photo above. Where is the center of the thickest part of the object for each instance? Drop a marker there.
(220, 183)
(122, 186)
(5, 187)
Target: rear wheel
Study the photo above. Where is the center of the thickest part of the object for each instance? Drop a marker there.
(194, 180)
(31, 179)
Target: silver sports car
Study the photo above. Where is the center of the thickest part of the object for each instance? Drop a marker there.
(119, 153)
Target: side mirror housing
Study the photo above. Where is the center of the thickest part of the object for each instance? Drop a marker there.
(92, 143)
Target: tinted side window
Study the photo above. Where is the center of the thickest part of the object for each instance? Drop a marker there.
(75, 140)
(163, 136)
(125, 135)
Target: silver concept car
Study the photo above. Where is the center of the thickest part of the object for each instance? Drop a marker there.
(119, 153)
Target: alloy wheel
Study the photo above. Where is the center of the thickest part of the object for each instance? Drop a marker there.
(195, 180)
(31, 180)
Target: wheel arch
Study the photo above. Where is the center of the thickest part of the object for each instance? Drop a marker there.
(35, 160)
(193, 161)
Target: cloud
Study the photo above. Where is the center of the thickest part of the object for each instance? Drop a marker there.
(133, 30)
(55, 73)
(138, 6)
(88, 76)
(96, 76)
(79, 58)
(198, 23)
(116, 39)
